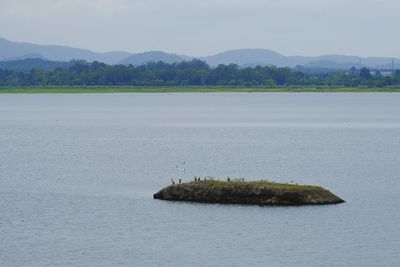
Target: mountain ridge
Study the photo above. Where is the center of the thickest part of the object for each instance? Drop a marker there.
(9, 49)
(247, 57)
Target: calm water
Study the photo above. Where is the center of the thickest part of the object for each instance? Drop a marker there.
(77, 174)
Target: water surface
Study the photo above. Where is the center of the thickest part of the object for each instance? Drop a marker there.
(77, 174)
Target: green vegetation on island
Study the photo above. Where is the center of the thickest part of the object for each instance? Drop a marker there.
(260, 183)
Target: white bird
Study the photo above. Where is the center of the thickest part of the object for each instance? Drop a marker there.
(181, 168)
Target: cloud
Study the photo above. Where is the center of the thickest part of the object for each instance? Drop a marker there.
(49, 7)
(364, 27)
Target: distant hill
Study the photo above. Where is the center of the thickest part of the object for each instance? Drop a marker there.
(248, 57)
(28, 56)
(152, 56)
(34, 63)
(10, 51)
(265, 57)
(328, 64)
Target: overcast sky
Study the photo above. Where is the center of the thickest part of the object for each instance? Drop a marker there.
(204, 27)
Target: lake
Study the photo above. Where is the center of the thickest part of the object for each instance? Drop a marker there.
(78, 171)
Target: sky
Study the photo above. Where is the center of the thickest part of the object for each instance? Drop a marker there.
(206, 27)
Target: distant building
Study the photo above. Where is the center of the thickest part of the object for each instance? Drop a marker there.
(384, 73)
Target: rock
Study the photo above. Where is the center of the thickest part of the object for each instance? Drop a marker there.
(240, 192)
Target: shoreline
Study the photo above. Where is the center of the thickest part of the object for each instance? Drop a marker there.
(205, 89)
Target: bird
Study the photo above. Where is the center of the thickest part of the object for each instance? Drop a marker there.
(172, 181)
(181, 168)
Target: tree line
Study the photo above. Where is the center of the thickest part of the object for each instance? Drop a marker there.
(190, 73)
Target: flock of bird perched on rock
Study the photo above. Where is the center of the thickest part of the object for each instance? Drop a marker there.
(198, 179)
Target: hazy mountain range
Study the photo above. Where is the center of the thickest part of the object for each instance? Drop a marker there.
(11, 51)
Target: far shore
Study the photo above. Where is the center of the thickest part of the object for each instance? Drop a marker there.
(194, 89)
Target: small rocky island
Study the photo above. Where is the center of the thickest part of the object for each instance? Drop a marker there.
(248, 192)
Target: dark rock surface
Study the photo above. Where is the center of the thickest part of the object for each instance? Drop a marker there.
(256, 193)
